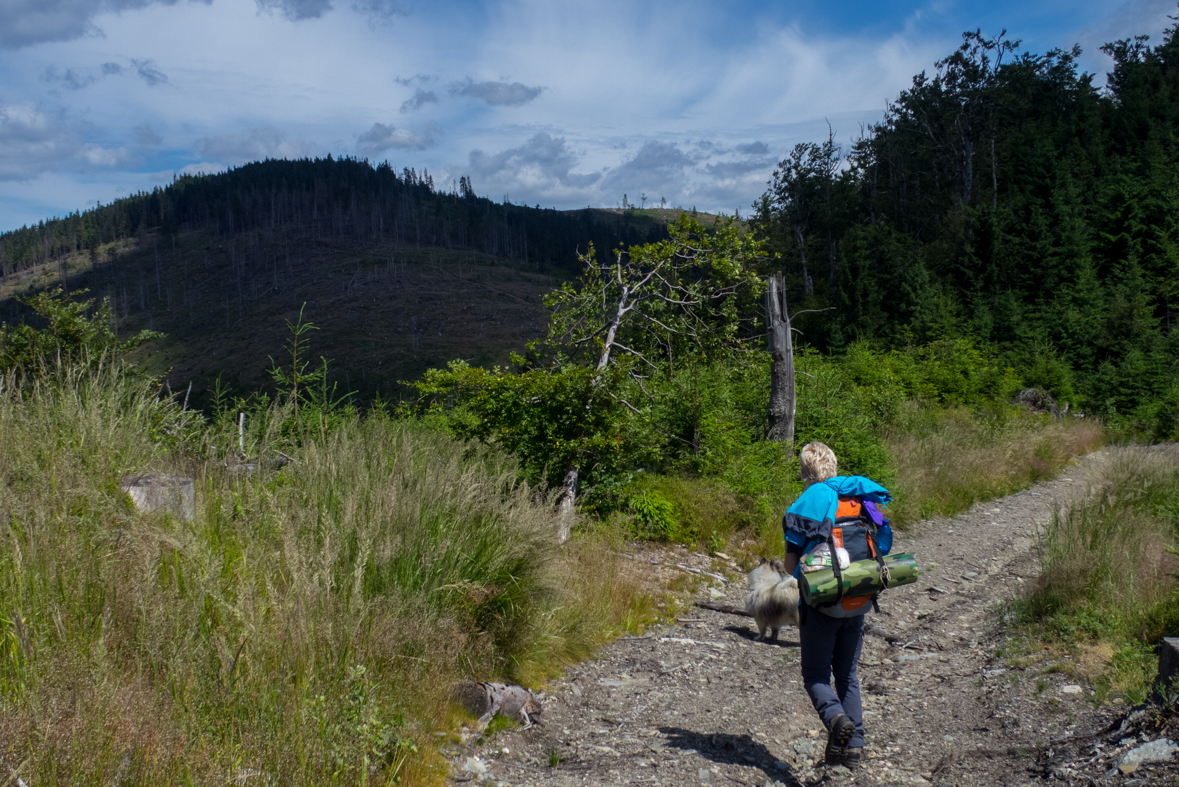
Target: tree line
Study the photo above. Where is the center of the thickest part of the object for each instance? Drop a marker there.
(1006, 200)
(331, 198)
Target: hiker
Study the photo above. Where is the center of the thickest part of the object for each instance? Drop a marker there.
(837, 518)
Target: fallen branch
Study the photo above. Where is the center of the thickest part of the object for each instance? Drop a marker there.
(728, 608)
(709, 574)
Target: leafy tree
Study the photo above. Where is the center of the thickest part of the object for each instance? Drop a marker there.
(76, 332)
(574, 410)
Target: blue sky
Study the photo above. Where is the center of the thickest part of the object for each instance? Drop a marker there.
(562, 104)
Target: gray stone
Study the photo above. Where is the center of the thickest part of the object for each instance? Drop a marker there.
(475, 765)
(1159, 750)
(1070, 689)
(171, 494)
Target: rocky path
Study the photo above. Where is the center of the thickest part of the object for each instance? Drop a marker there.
(950, 698)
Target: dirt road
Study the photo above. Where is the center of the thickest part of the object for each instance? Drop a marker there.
(950, 697)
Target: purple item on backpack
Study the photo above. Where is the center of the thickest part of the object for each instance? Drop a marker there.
(873, 512)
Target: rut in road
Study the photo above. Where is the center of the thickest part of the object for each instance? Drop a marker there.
(702, 702)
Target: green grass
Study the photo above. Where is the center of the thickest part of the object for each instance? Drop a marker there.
(946, 460)
(304, 626)
(1109, 571)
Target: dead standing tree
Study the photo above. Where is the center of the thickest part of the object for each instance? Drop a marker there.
(783, 396)
(781, 344)
(646, 307)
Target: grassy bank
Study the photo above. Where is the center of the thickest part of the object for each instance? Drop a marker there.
(1109, 585)
(939, 462)
(946, 460)
(303, 628)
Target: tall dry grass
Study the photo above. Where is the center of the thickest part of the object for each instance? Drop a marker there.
(303, 628)
(947, 460)
(1110, 570)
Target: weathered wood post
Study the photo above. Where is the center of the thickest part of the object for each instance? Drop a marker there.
(1168, 678)
(565, 506)
(782, 393)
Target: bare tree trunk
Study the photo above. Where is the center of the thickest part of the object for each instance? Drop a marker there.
(567, 500)
(782, 394)
(807, 284)
(994, 177)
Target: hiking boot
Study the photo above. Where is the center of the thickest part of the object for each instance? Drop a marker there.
(852, 756)
(841, 731)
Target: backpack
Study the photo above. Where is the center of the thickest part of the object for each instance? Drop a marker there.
(853, 538)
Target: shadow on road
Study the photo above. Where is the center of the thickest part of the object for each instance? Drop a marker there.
(752, 637)
(731, 750)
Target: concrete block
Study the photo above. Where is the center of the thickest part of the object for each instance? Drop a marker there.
(173, 494)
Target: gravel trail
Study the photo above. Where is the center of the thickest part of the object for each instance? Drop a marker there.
(702, 702)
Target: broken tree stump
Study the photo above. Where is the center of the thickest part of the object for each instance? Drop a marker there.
(1168, 678)
(171, 494)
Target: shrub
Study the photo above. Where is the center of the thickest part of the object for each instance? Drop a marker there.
(75, 332)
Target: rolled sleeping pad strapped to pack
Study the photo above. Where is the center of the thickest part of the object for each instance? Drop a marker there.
(859, 579)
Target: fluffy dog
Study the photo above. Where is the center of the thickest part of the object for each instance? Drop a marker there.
(772, 599)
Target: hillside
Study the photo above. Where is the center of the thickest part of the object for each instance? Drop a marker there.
(397, 276)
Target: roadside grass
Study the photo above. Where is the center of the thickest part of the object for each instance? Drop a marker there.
(946, 460)
(1109, 588)
(303, 628)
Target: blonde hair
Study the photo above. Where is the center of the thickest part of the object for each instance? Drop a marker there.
(818, 463)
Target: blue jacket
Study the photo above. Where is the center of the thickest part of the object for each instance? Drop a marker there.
(812, 516)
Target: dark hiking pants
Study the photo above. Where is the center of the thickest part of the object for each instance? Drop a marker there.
(831, 647)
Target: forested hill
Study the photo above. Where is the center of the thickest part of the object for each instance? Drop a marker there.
(397, 275)
(330, 198)
(1007, 204)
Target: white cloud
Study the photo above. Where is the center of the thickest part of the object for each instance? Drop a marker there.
(253, 145)
(110, 158)
(25, 22)
(72, 78)
(296, 10)
(656, 167)
(150, 74)
(147, 137)
(419, 100)
(1131, 18)
(497, 94)
(686, 100)
(203, 168)
(380, 138)
(32, 142)
(381, 10)
(537, 166)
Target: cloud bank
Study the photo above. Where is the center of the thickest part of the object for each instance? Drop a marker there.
(296, 10)
(27, 22)
(497, 94)
(254, 145)
(381, 138)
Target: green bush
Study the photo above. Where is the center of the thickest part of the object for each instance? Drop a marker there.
(76, 332)
(654, 515)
